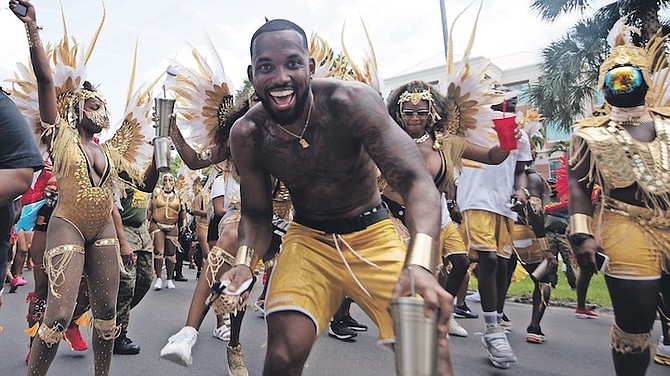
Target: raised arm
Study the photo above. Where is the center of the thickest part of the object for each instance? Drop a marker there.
(45, 85)
(492, 156)
(191, 158)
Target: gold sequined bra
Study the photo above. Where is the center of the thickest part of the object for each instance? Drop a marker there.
(165, 208)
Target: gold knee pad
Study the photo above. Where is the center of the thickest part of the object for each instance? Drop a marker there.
(56, 270)
(215, 259)
(51, 336)
(107, 329)
(629, 343)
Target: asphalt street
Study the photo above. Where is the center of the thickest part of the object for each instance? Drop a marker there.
(574, 347)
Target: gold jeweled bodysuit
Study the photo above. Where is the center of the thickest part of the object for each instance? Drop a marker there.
(82, 202)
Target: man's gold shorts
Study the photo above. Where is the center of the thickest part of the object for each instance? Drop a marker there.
(486, 231)
(311, 276)
(451, 240)
(633, 252)
(526, 246)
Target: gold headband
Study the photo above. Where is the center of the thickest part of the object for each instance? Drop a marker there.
(415, 98)
(626, 55)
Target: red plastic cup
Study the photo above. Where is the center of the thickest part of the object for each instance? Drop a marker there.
(505, 127)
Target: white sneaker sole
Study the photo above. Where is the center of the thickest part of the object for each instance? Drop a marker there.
(173, 354)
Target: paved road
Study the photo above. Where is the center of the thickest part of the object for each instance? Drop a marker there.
(574, 347)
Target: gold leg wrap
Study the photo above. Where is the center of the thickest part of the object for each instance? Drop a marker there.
(106, 241)
(215, 259)
(51, 336)
(172, 258)
(107, 329)
(230, 304)
(56, 270)
(175, 241)
(629, 343)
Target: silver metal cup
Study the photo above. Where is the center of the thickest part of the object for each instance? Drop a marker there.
(164, 108)
(162, 153)
(415, 338)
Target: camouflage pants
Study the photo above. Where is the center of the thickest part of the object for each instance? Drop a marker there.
(558, 243)
(135, 284)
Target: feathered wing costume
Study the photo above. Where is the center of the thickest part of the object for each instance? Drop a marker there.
(204, 98)
(128, 149)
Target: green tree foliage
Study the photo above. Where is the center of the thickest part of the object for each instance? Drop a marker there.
(569, 66)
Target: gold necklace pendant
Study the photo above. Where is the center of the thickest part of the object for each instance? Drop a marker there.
(301, 137)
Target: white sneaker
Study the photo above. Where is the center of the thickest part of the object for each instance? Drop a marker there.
(222, 333)
(456, 329)
(474, 297)
(159, 284)
(169, 285)
(178, 348)
(498, 348)
(662, 355)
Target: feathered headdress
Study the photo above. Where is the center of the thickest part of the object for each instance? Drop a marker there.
(204, 97)
(469, 95)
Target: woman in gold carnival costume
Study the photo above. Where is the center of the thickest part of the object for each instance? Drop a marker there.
(167, 217)
(423, 113)
(627, 154)
(81, 236)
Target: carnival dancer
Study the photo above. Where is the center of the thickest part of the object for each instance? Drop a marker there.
(320, 138)
(531, 247)
(167, 217)
(218, 116)
(627, 153)
(423, 113)
(81, 236)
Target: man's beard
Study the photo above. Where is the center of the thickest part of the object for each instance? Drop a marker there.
(298, 109)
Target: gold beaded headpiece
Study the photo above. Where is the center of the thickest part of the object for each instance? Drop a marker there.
(624, 52)
(626, 55)
(415, 98)
(71, 107)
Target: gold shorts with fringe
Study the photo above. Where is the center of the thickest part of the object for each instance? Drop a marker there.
(525, 245)
(315, 271)
(636, 250)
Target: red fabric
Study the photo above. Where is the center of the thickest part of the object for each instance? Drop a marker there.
(34, 194)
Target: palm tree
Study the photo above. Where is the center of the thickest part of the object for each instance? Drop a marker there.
(569, 67)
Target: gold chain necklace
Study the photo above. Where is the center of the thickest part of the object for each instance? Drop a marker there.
(300, 137)
(422, 139)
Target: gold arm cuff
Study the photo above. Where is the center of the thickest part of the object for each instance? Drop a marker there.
(580, 224)
(32, 32)
(543, 243)
(246, 256)
(422, 251)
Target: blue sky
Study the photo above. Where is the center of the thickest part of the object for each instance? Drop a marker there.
(405, 34)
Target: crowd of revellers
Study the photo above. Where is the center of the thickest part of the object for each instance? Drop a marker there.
(327, 194)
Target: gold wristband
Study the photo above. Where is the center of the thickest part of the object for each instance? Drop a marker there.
(422, 251)
(580, 224)
(543, 243)
(246, 256)
(32, 32)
